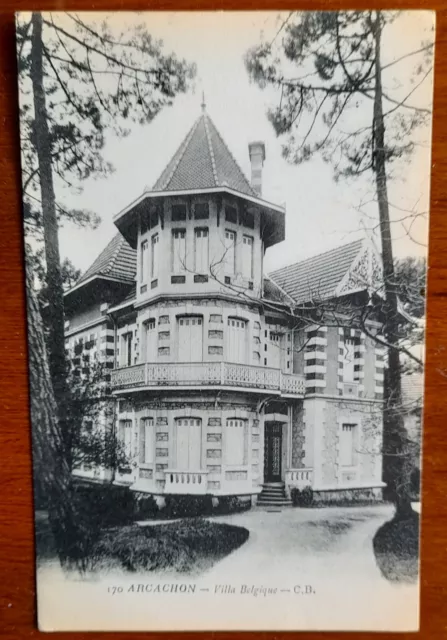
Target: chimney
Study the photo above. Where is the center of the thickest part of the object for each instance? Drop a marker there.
(256, 151)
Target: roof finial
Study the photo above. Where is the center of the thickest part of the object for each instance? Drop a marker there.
(203, 105)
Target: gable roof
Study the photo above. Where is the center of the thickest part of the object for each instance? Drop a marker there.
(117, 262)
(203, 161)
(319, 276)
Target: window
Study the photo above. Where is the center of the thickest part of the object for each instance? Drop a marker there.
(178, 212)
(348, 359)
(126, 349)
(188, 444)
(201, 251)
(149, 220)
(247, 256)
(248, 219)
(190, 339)
(231, 214)
(125, 436)
(154, 256)
(150, 339)
(178, 250)
(235, 442)
(347, 445)
(236, 340)
(147, 440)
(144, 261)
(275, 349)
(202, 211)
(230, 253)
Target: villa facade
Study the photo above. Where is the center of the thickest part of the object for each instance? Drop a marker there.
(220, 386)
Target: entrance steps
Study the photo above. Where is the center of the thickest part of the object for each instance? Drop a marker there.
(273, 495)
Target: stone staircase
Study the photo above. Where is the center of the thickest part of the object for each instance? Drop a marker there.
(273, 495)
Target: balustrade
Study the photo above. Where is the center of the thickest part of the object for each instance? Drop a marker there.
(186, 482)
(299, 478)
(207, 374)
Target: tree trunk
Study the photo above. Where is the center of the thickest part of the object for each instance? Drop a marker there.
(50, 469)
(396, 454)
(56, 341)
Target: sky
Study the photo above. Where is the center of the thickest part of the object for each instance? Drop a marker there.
(320, 213)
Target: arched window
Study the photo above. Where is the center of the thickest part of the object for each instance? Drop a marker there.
(235, 442)
(188, 438)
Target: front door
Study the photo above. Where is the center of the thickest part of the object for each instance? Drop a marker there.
(272, 452)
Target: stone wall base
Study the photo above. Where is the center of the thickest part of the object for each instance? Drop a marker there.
(348, 496)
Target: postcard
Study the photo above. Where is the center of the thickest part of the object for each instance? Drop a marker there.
(225, 224)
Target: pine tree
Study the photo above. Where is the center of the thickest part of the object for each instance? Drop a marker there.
(327, 65)
(78, 81)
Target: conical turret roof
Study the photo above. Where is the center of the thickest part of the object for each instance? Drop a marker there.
(203, 161)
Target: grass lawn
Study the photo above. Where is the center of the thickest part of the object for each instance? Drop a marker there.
(191, 545)
(396, 547)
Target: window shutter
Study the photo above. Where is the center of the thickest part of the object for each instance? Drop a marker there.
(144, 263)
(178, 250)
(230, 256)
(154, 265)
(235, 442)
(247, 257)
(201, 251)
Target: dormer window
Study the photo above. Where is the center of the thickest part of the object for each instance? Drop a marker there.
(178, 212)
(201, 211)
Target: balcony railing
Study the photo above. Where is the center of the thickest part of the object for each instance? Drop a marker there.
(178, 374)
(186, 482)
(299, 478)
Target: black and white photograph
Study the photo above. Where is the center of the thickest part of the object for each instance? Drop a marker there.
(226, 237)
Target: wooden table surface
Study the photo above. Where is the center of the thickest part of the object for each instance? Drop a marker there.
(17, 590)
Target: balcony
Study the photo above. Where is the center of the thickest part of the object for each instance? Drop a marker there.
(207, 375)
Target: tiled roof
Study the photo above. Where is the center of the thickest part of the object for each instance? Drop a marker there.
(319, 276)
(117, 261)
(203, 161)
(274, 293)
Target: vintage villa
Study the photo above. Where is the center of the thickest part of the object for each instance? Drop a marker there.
(223, 383)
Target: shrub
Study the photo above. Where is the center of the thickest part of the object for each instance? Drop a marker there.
(188, 506)
(105, 504)
(145, 506)
(231, 504)
(188, 545)
(302, 498)
(396, 548)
